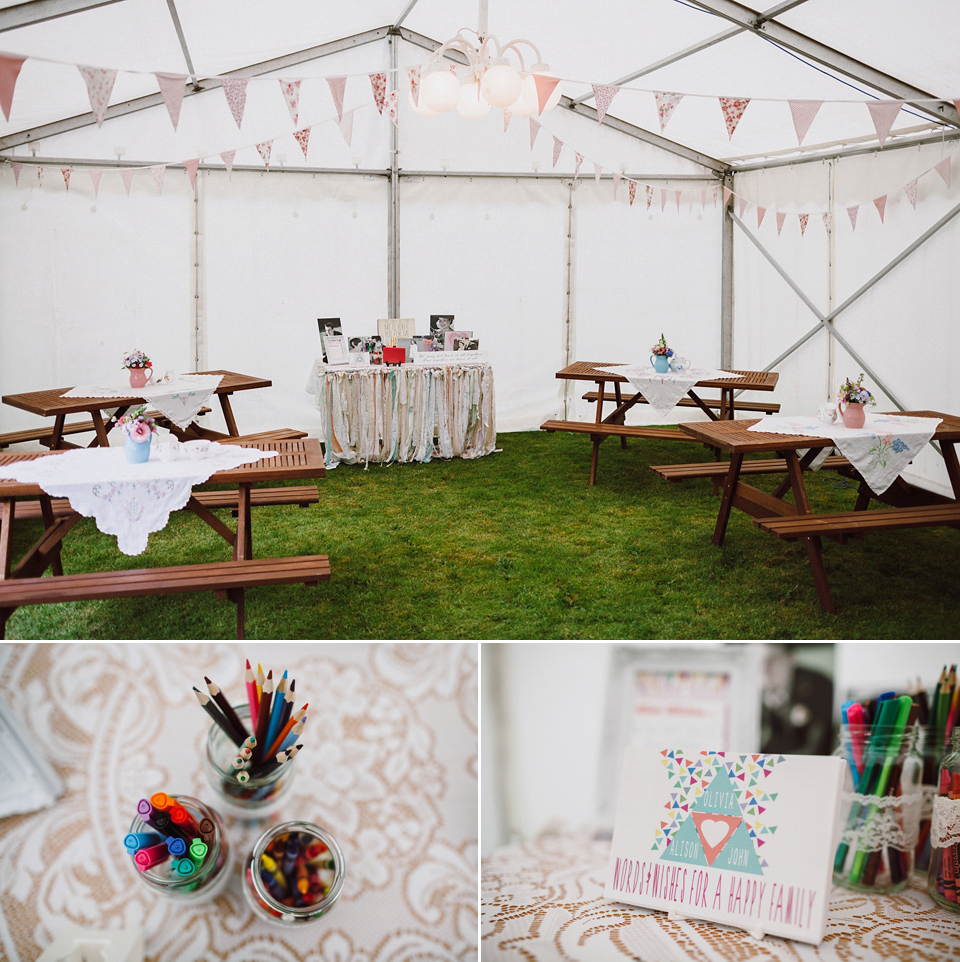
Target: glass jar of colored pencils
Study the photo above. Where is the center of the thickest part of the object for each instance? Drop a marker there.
(186, 858)
(294, 874)
(246, 787)
(880, 808)
(943, 875)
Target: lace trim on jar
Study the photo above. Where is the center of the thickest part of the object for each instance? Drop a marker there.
(879, 822)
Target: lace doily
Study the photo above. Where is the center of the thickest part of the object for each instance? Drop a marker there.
(390, 771)
(876, 822)
(945, 822)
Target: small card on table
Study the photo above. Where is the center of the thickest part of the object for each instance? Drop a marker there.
(742, 839)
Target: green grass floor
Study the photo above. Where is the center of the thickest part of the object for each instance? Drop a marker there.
(516, 545)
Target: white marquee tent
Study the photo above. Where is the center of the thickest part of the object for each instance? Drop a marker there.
(792, 210)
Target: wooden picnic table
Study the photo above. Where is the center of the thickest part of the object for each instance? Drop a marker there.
(612, 425)
(51, 404)
(911, 506)
(22, 583)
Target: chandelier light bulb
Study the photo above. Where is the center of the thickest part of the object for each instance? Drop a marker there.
(440, 89)
(500, 85)
(471, 104)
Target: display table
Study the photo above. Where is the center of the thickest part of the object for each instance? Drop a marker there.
(379, 413)
(544, 900)
(389, 767)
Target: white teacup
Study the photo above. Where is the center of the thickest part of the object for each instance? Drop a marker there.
(195, 450)
(827, 413)
(168, 450)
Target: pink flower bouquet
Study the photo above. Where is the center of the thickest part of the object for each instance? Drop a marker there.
(137, 425)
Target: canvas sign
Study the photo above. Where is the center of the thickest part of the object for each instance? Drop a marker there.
(743, 839)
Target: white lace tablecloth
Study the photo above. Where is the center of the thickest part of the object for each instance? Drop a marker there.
(126, 500)
(179, 400)
(544, 901)
(404, 413)
(390, 770)
(663, 391)
(879, 450)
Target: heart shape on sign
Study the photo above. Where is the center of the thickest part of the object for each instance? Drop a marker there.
(714, 831)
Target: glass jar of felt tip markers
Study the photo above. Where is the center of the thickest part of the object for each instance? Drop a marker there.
(294, 875)
(882, 796)
(249, 764)
(178, 847)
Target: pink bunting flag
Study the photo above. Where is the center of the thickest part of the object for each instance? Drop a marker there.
(956, 104)
(943, 169)
(16, 173)
(378, 81)
(95, 174)
(545, 87)
(534, 130)
(263, 149)
(665, 104)
(732, 108)
(557, 147)
(126, 175)
(742, 206)
(291, 97)
(780, 219)
(338, 86)
(9, 71)
(579, 160)
(881, 204)
(649, 193)
(227, 158)
(632, 190)
(346, 126)
(828, 221)
(663, 199)
(677, 194)
(235, 90)
(597, 171)
(302, 137)
(603, 95)
(804, 218)
(39, 176)
(616, 183)
(703, 198)
(507, 116)
(393, 110)
(414, 74)
(803, 112)
(911, 191)
(172, 87)
(726, 195)
(99, 81)
(852, 214)
(66, 171)
(884, 113)
(158, 170)
(192, 166)
(761, 211)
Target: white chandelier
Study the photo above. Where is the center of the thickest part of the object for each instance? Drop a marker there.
(492, 81)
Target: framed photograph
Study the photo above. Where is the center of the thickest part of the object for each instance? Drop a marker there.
(450, 339)
(330, 326)
(391, 329)
(466, 344)
(334, 349)
(439, 325)
(424, 343)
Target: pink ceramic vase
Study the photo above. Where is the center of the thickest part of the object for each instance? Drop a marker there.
(853, 414)
(139, 376)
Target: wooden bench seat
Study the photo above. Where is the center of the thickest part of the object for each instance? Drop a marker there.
(301, 494)
(848, 523)
(718, 469)
(763, 407)
(276, 434)
(225, 578)
(606, 429)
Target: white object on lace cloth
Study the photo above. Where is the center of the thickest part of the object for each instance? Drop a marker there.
(945, 822)
(126, 500)
(179, 400)
(877, 822)
(879, 450)
(663, 391)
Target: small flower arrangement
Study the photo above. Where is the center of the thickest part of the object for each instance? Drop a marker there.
(853, 392)
(138, 425)
(661, 348)
(136, 359)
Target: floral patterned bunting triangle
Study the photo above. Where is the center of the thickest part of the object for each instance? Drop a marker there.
(852, 214)
(227, 158)
(884, 113)
(828, 221)
(235, 90)
(911, 191)
(66, 171)
(534, 130)
(578, 161)
(9, 71)
(804, 218)
(158, 170)
(40, 178)
(665, 105)
(99, 81)
(649, 192)
(263, 149)
(603, 94)
(172, 87)
(414, 74)
(507, 117)
(393, 111)
(732, 108)
(17, 167)
(302, 137)
(557, 147)
(378, 81)
(632, 190)
(291, 97)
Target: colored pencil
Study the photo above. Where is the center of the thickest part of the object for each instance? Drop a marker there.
(263, 718)
(275, 745)
(276, 709)
(253, 699)
(218, 696)
(288, 697)
(210, 707)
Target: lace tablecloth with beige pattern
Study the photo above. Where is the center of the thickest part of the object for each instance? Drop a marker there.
(390, 769)
(543, 901)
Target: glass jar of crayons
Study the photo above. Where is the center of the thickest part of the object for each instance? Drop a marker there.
(178, 847)
(880, 806)
(943, 875)
(249, 781)
(295, 874)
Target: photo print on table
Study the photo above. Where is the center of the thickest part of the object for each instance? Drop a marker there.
(451, 337)
(466, 344)
(329, 327)
(439, 325)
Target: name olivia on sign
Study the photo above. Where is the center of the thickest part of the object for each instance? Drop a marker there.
(743, 839)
